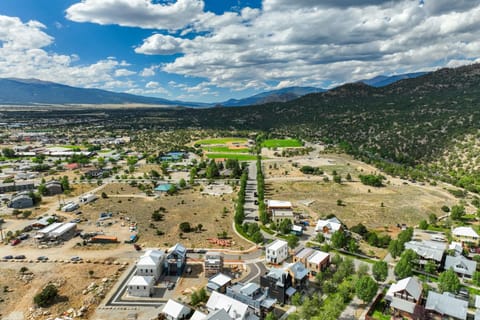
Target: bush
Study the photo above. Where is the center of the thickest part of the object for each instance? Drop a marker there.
(185, 227)
(372, 180)
(46, 297)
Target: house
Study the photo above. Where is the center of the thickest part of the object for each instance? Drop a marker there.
(404, 297)
(277, 215)
(72, 166)
(446, 305)
(64, 232)
(279, 284)
(236, 310)
(213, 263)
(53, 188)
(456, 247)
(428, 250)
(278, 205)
(477, 307)
(318, 261)
(302, 255)
(43, 222)
(151, 264)
(299, 275)
(219, 283)
(174, 310)
(141, 286)
(21, 201)
(16, 186)
(328, 227)
(176, 260)
(461, 265)
(466, 235)
(276, 252)
(220, 314)
(254, 296)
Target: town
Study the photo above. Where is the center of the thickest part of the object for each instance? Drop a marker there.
(244, 227)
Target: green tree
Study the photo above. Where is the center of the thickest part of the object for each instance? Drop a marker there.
(404, 269)
(8, 153)
(193, 174)
(366, 288)
(457, 212)
(157, 216)
(337, 178)
(423, 225)
(292, 241)
(448, 281)
(47, 296)
(182, 183)
(339, 239)
(476, 278)
(348, 177)
(380, 270)
(297, 299)
(432, 218)
(185, 227)
(270, 316)
(285, 226)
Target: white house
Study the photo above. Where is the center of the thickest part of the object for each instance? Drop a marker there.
(328, 227)
(174, 310)
(140, 286)
(465, 234)
(151, 264)
(276, 252)
(236, 310)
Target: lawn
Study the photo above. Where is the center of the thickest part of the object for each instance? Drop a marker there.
(225, 149)
(221, 141)
(281, 143)
(240, 157)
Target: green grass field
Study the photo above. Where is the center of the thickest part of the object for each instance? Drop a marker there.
(225, 149)
(240, 157)
(221, 141)
(281, 143)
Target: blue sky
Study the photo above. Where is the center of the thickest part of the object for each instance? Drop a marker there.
(210, 51)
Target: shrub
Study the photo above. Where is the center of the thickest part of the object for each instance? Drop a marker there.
(46, 297)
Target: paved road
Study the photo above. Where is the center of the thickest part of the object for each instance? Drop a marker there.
(256, 270)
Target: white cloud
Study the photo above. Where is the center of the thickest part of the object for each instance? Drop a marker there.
(23, 54)
(137, 13)
(160, 44)
(124, 73)
(152, 84)
(148, 72)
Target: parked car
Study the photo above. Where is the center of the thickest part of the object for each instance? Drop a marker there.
(76, 220)
(20, 257)
(23, 236)
(75, 258)
(42, 258)
(14, 242)
(8, 257)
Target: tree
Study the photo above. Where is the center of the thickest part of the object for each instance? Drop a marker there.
(423, 225)
(172, 190)
(297, 299)
(182, 183)
(47, 296)
(337, 178)
(270, 316)
(285, 226)
(104, 195)
(193, 174)
(65, 183)
(448, 281)
(404, 269)
(348, 177)
(380, 270)
(430, 267)
(352, 245)
(366, 288)
(185, 227)
(432, 218)
(292, 241)
(476, 278)
(457, 212)
(90, 273)
(8, 153)
(339, 239)
(157, 216)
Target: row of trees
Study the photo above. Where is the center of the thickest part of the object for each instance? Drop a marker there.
(262, 210)
(239, 208)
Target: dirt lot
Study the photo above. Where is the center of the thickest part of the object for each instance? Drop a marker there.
(401, 203)
(71, 280)
(189, 205)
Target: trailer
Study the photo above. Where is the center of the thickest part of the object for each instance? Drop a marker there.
(88, 198)
(103, 239)
(69, 207)
(64, 232)
(133, 238)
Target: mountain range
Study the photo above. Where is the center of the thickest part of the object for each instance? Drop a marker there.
(33, 91)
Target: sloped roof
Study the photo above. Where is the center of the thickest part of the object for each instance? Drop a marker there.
(298, 269)
(410, 284)
(460, 264)
(178, 249)
(427, 249)
(304, 253)
(317, 257)
(465, 232)
(220, 279)
(234, 308)
(175, 309)
(445, 304)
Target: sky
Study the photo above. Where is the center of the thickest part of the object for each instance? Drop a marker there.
(213, 50)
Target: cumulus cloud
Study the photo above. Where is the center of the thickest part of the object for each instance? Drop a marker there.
(304, 42)
(23, 54)
(148, 72)
(137, 13)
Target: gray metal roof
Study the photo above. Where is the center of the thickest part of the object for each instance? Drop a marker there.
(427, 249)
(445, 304)
(460, 264)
